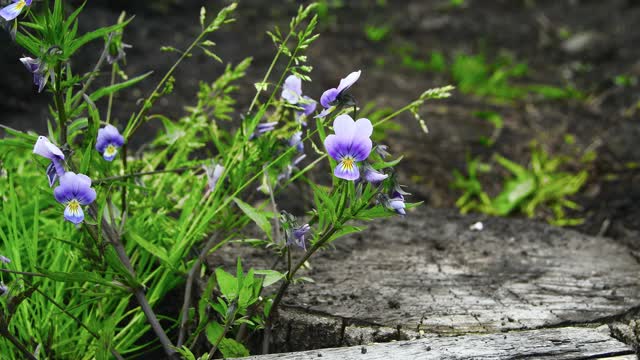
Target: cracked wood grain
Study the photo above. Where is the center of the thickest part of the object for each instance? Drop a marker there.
(559, 343)
(430, 274)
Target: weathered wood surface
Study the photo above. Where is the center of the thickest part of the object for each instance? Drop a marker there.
(560, 343)
(431, 274)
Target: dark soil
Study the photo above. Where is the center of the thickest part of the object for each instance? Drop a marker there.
(528, 30)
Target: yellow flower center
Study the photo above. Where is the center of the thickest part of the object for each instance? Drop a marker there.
(21, 4)
(348, 163)
(111, 150)
(74, 206)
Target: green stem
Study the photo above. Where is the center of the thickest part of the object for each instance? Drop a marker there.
(23, 349)
(62, 114)
(268, 73)
(146, 105)
(110, 102)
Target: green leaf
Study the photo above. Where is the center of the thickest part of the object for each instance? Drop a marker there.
(258, 217)
(232, 349)
(227, 283)
(152, 249)
(270, 276)
(81, 277)
(88, 37)
(345, 230)
(117, 87)
(515, 191)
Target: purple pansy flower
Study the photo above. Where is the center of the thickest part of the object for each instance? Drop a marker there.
(109, 141)
(372, 175)
(334, 96)
(350, 145)
(74, 192)
(45, 148)
(39, 71)
(263, 128)
(298, 236)
(213, 176)
(12, 11)
(5, 259)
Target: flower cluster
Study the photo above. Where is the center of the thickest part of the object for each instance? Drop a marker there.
(74, 190)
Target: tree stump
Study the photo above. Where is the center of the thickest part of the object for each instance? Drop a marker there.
(430, 276)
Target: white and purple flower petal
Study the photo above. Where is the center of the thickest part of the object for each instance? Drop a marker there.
(74, 192)
(373, 176)
(4, 259)
(292, 89)
(397, 205)
(331, 96)
(45, 148)
(12, 11)
(308, 105)
(213, 176)
(299, 234)
(109, 141)
(263, 128)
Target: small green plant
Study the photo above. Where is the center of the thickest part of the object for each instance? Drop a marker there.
(494, 119)
(377, 33)
(541, 189)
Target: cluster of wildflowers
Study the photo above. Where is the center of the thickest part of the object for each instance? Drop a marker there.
(74, 190)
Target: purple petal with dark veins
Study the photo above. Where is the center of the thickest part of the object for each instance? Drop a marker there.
(74, 186)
